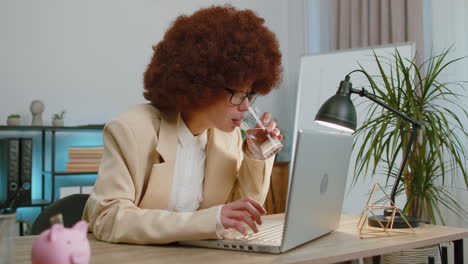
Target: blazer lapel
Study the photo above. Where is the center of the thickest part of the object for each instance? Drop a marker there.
(159, 187)
(168, 136)
(220, 169)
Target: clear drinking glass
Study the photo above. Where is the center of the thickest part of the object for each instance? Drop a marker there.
(265, 145)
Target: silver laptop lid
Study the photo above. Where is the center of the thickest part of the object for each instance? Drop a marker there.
(316, 191)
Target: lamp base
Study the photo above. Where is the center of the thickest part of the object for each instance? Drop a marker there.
(398, 220)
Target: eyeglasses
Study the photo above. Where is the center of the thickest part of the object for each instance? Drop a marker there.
(237, 97)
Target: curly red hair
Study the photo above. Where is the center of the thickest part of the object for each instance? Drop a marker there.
(214, 48)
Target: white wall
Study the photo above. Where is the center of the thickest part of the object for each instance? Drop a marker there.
(449, 22)
(88, 57)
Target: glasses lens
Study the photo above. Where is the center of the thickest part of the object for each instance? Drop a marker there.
(237, 98)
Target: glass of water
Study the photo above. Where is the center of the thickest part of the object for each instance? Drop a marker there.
(265, 145)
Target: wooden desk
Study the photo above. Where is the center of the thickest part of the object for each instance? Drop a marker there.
(341, 245)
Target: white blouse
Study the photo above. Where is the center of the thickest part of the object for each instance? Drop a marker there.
(187, 184)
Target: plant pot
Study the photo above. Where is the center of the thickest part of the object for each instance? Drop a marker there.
(14, 121)
(57, 122)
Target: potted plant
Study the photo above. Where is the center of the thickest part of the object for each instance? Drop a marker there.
(438, 154)
(14, 120)
(57, 119)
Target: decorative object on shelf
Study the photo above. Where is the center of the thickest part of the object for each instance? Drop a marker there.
(439, 155)
(338, 112)
(370, 231)
(61, 245)
(37, 107)
(14, 120)
(57, 119)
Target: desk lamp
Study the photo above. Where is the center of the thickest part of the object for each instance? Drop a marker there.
(339, 112)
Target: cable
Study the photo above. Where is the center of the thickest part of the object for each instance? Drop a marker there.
(368, 78)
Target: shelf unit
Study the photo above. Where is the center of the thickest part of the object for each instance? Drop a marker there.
(51, 131)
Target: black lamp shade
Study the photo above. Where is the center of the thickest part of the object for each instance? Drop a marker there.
(338, 111)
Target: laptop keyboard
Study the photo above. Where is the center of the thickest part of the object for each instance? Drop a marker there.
(272, 233)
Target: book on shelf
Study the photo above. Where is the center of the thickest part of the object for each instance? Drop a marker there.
(83, 165)
(92, 149)
(86, 147)
(84, 153)
(84, 159)
(81, 170)
(80, 166)
(91, 152)
(85, 156)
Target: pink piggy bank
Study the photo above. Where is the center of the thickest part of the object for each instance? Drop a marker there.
(61, 245)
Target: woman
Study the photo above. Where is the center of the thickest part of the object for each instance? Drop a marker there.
(177, 168)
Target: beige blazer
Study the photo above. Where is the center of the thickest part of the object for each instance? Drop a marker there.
(135, 180)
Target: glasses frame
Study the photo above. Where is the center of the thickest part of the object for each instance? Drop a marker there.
(246, 95)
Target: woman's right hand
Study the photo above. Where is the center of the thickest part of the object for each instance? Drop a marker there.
(244, 210)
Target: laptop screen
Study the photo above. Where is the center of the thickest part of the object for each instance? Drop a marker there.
(317, 187)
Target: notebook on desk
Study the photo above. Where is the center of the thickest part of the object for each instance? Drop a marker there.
(315, 198)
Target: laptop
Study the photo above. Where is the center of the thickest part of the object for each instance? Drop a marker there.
(315, 198)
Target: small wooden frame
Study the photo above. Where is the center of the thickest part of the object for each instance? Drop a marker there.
(366, 231)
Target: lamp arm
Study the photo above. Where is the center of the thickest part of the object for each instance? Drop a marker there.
(364, 93)
(414, 123)
(404, 161)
